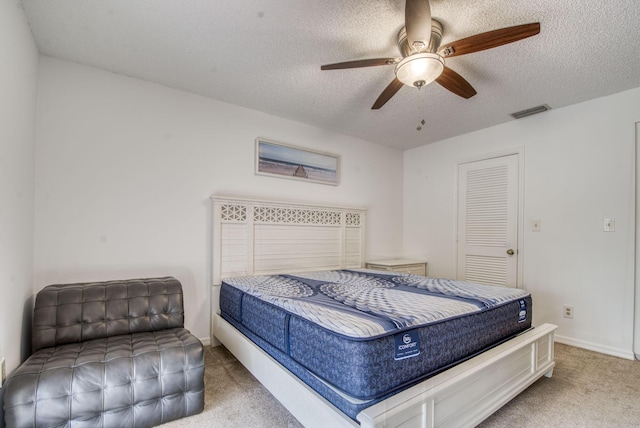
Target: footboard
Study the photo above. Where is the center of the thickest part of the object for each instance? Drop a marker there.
(462, 396)
(465, 395)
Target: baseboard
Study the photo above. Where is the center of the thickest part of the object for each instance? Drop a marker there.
(622, 353)
(206, 341)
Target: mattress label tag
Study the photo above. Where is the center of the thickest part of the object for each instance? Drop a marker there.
(407, 345)
(522, 317)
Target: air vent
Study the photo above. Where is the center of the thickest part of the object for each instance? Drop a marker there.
(530, 111)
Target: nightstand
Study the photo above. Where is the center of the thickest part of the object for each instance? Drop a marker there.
(415, 267)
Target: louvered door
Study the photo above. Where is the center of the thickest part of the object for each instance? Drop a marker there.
(488, 221)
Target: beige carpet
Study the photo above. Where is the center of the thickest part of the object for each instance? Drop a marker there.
(587, 390)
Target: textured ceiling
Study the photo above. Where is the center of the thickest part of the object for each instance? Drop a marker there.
(266, 55)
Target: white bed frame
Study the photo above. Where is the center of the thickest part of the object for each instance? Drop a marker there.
(257, 237)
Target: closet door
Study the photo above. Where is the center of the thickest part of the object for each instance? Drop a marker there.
(488, 221)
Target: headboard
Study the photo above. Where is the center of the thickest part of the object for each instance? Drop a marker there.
(258, 237)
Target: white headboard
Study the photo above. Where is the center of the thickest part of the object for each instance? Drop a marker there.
(257, 237)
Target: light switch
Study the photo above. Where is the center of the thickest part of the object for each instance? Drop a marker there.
(609, 224)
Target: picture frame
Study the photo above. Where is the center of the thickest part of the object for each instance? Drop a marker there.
(286, 161)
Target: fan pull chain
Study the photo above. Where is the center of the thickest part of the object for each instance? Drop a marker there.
(423, 113)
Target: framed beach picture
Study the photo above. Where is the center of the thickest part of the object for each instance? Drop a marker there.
(285, 161)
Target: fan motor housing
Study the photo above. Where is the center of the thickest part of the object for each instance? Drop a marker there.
(434, 42)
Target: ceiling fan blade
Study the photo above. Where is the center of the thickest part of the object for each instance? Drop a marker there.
(490, 39)
(417, 22)
(388, 92)
(452, 81)
(361, 63)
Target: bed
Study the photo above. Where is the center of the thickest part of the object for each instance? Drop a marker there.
(306, 247)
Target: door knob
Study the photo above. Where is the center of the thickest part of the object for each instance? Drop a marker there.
(510, 252)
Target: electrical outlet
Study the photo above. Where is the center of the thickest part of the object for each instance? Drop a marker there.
(4, 372)
(567, 311)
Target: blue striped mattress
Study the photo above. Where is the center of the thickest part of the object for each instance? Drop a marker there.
(359, 336)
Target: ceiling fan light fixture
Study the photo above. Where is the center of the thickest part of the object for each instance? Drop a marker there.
(420, 69)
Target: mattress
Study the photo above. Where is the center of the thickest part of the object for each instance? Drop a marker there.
(359, 336)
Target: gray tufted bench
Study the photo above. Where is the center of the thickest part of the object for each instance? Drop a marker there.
(108, 354)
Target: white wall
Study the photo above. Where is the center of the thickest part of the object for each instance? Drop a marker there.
(18, 78)
(579, 168)
(125, 168)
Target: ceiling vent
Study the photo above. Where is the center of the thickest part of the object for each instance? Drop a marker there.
(530, 111)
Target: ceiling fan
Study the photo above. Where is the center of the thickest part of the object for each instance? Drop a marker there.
(423, 59)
